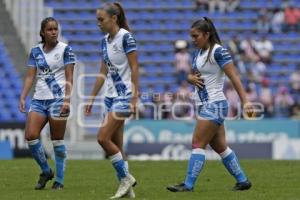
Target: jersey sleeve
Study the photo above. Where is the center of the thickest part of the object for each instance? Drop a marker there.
(222, 56)
(69, 56)
(129, 43)
(194, 61)
(31, 60)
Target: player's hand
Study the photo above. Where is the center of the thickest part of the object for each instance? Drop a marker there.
(65, 109)
(195, 79)
(22, 105)
(88, 107)
(133, 105)
(249, 111)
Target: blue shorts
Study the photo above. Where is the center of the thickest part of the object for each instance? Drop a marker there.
(216, 111)
(120, 104)
(49, 107)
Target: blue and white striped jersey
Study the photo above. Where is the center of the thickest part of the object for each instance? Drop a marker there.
(50, 70)
(115, 57)
(212, 73)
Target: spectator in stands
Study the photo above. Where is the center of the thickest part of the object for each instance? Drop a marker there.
(213, 4)
(182, 60)
(182, 102)
(266, 98)
(211, 63)
(234, 46)
(184, 90)
(263, 24)
(181, 108)
(120, 67)
(249, 51)
(295, 109)
(283, 102)
(264, 47)
(258, 71)
(291, 18)
(251, 92)
(166, 103)
(201, 4)
(52, 63)
(295, 85)
(232, 5)
(277, 21)
(147, 107)
(295, 79)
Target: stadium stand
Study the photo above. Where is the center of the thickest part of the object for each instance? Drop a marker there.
(157, 25)
(10, 89)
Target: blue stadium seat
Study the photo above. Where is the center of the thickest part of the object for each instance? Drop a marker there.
(157, 24)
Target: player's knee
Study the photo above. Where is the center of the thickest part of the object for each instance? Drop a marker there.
(103, 140)
(219, 149)
(30, 136)
(198, 144)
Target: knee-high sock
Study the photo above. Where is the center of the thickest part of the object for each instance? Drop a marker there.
(60, 159)
(38, 154)
(195, 166)
(126, 167)
(119, 165)
(232, 164)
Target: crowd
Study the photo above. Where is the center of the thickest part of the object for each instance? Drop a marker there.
(252, 57)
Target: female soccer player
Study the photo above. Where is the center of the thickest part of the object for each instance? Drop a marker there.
(120, 68)
(52, 63)
(210, 64)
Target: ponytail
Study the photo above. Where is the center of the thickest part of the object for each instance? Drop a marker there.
(116, 9)
(122, 21)
(215, 36)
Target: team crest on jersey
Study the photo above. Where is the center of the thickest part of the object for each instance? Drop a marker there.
(56, 56)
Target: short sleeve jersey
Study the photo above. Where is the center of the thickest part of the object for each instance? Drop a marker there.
(50, 70)
(115, 58)
(212, 73)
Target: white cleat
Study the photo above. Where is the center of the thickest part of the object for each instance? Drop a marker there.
(130, 194)
(124, 187)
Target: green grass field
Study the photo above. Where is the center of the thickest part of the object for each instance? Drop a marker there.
(90, 180)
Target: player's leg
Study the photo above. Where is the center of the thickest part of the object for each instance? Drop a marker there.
(203, 133)
(118, 140)
(57, 132)
(36, 120)
(230, 160)
(105, 135)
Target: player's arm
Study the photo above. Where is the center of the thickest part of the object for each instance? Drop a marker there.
(99, 80)
(97, 86)
(30, 77)
(69, 70)
(234, 77)
(133, 63)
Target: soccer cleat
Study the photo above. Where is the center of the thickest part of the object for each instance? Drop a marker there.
(130, 194)
(242, 186)
(125, 185)
(44, 178)
(179, 188)
(57, 186)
